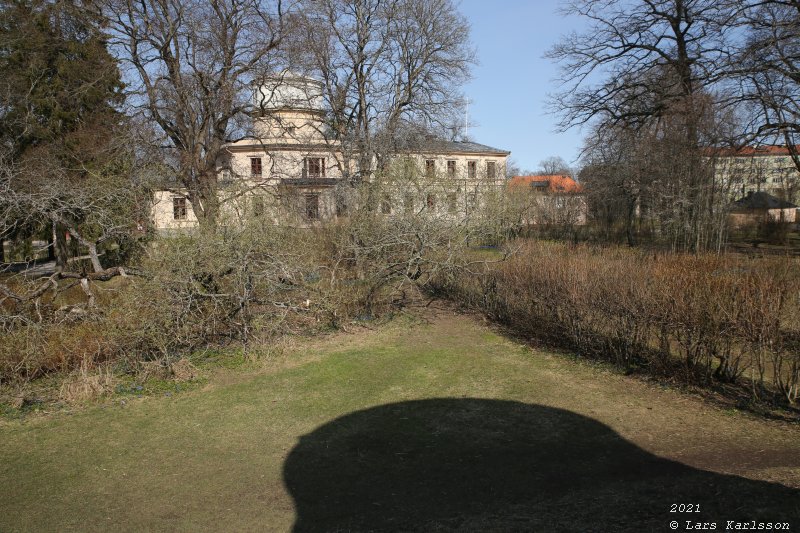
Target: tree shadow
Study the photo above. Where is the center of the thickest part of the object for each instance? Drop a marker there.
(489, 465)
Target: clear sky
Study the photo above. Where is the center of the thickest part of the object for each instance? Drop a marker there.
(510, 85)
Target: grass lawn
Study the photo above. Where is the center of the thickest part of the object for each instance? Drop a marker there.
(433, 424)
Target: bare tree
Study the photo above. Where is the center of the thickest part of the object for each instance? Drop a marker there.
(614, 184)
(657, 62)
(647, 54)
(384, 63)
(769, 66)
(555, 165)
(411, 227)
(639, 180)
(106, 204)
(190, 65)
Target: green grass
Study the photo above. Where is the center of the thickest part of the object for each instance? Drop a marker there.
(333, 437)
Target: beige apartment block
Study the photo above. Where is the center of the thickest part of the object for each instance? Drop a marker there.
(767, 169)
(289, 170)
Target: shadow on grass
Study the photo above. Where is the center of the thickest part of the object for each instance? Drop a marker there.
(488, 465)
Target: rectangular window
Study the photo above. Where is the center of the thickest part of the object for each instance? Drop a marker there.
(179, 208)
(491, 170)
(255, 166)
(315, 167)
(451, 169)
(312, 206)
(452, 202)
(472, 169)
(430, 168)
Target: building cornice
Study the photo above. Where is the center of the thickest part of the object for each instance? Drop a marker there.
(336, 147)
(499, 153)
(281, 147)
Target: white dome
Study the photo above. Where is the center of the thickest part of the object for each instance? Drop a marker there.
(288, 90)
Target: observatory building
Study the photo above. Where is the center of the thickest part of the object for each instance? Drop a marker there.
(289, 168)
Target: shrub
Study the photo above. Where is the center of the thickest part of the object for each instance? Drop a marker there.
(697, 318)
(245, 283)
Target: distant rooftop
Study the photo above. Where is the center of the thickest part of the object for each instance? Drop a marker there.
(752, 151)
(555, 183)
(437, 145)
(762, 200)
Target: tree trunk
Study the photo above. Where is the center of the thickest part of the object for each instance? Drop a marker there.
(629, 220)
(94, 258)
(205, 202)
(60, 245)
(51, 247)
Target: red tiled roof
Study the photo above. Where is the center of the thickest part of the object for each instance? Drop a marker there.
(751, 151)
(555, 183)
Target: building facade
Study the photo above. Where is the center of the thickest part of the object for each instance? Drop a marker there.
(289, 169)
(759, 208)
(550, 199)
(768, 169)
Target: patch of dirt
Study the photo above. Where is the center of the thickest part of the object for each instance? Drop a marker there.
(183, 370)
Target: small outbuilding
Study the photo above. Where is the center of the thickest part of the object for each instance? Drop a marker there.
(759, 207)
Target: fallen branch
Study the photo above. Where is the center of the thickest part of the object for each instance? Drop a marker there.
(52, 281)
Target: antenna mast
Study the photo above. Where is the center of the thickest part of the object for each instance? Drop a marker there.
(466, 118)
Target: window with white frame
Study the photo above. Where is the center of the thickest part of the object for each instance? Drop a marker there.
(315, 167)
(452, 202)
(255, 166)
(491, 170)
(179, 211)
(430, 201)
(312, 206)
(451, 169)
(430, 168)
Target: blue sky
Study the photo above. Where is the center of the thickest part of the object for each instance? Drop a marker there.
(509, 89)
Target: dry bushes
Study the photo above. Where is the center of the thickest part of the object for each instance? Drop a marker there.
(87, 383)
(192, 292)
(374, 260)
(246, 283)
(249, 281)
(698, 318)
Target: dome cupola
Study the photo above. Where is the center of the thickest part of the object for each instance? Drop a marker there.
(289, 91)
(289, 109)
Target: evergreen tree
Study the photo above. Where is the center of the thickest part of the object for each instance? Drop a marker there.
(58, 76)
(60, 95)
